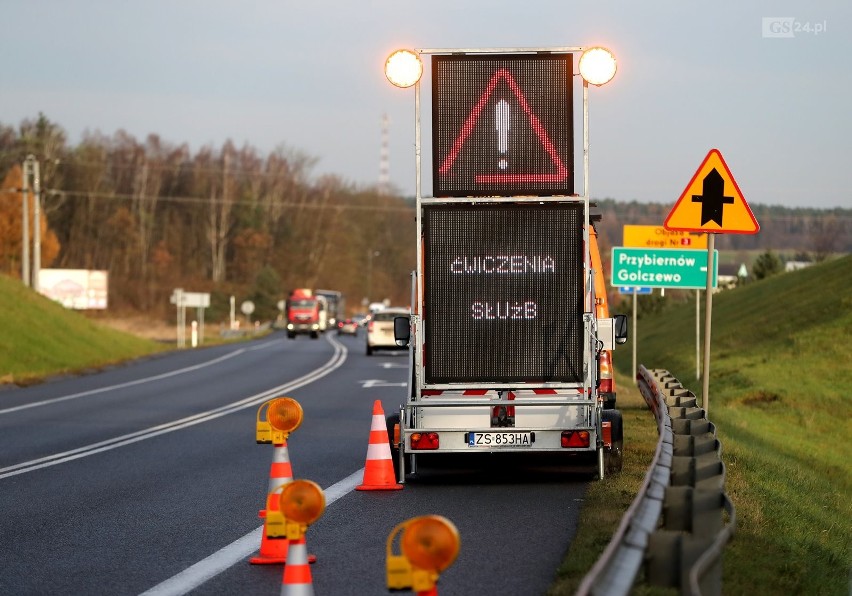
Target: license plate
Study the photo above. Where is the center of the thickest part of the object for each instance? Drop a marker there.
(499, 439)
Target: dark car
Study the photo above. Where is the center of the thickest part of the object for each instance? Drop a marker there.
(347, 327)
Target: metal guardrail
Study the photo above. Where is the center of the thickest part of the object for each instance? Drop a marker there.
(674, 527)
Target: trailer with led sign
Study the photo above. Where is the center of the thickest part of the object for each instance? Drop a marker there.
(502, 125)
(504, 290)
(509, 341)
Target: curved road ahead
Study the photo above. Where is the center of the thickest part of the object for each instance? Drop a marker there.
(146, 478)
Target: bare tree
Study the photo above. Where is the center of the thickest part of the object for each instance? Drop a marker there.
(825, 234)
(219, 212)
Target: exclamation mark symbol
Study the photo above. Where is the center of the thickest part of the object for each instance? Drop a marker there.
(502, 121)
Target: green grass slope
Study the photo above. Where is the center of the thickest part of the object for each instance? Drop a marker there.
(39, 337)
(781, 397)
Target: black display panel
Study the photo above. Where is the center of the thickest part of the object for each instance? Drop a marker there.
(502, 125)
(503, 293)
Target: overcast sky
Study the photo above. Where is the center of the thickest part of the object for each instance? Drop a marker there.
(691, 76)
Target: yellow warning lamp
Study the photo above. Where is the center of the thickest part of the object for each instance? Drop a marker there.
(403, 68)
(597, 66)
(429, 544)
(301, 503)
(283, 416)
(263, 430)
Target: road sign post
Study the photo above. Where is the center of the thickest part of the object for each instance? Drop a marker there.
(707, 320)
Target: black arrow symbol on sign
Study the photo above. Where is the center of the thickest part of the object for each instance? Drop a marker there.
(713, 198)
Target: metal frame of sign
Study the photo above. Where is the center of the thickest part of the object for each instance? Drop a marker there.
(424, 201)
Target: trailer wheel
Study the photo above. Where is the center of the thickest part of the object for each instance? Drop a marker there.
(392, 420)
(614, 456)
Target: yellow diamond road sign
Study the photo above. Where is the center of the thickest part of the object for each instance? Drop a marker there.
(712, 202)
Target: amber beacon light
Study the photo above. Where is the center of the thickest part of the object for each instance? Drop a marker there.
(284, 414)
(403, 68)
(429, 544)
(302, 501)
(597, 66)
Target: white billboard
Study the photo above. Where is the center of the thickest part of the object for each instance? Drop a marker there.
(80, 289)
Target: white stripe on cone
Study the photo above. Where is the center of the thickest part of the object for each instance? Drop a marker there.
(378, 451)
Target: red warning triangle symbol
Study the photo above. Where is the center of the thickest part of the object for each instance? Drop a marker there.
(559, 175)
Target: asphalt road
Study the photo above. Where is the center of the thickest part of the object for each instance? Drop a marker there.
(147, 478)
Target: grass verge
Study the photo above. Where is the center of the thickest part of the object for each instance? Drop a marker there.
(781, 398)
(41, 338)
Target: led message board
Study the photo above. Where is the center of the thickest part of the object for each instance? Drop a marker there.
(503, 294)
(502, 125)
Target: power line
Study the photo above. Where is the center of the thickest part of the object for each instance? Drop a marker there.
(217, 201)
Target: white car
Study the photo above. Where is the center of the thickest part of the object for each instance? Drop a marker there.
(380, 330)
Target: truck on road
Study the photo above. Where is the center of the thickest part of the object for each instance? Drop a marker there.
(336, 306)
(306, 313)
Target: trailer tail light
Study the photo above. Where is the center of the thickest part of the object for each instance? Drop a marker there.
(606, 372)
(575, 438)
(424, 441)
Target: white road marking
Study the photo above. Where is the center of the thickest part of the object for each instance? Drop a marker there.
(337, 359)
(208, 568)
(380, 383)
(173, 373)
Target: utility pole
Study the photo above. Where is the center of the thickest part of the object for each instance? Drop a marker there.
(370, 254)
(25, 225)
(36, 221)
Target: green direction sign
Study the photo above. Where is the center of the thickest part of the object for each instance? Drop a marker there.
(662, 267)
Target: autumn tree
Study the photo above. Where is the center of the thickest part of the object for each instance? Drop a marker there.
(11, 225)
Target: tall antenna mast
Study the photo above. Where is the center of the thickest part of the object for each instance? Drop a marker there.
(384, 158)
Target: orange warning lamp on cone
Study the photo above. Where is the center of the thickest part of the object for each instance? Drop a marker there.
(283, 415)
(276, 418)
(302, 503)
(429, 544)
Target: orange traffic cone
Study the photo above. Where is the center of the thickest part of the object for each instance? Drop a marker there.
(280, 472)
(297, 579)
(274, 550)
(378, 471)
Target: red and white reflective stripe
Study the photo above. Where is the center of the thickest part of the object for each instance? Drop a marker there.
(280, 472)
(378, 448)
(297, 580)
(511, 394)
